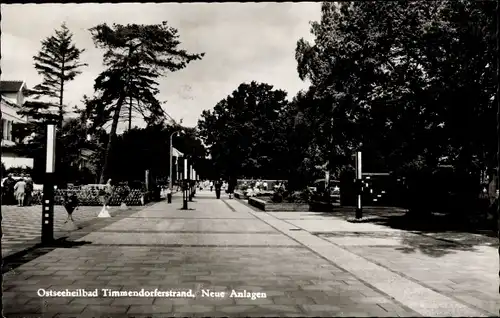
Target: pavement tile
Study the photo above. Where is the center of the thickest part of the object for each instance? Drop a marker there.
(149, 309)
(261, 301)
(293, 300)
(171, 301)
(64, 309)
(235, 309)
(9, 308)
(277, 308)
(96, 309)
(193, 309)
(92, 301)
(50, 301)
(132, 301)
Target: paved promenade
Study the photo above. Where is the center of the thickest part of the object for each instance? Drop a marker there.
(307, 264)
(22, 226)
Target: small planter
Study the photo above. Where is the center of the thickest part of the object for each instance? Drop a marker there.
(320, 206)
(239, 195)
(287, 207)
(282, 207)
(258, 203)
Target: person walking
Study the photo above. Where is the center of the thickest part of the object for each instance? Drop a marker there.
(211, 186)
(20, 191)
(8, 188)
(70, 203)
(29, 190)
(218, 186)
(108, 193)
(231, 185)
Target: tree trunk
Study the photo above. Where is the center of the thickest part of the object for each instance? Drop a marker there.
(130, 114)
(61, 97)
(112, 135)
(498, 124)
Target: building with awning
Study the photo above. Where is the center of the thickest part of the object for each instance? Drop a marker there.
(12, 99)
(10, 108)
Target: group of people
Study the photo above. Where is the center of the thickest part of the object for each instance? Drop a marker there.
(220, 185)
(17, 190)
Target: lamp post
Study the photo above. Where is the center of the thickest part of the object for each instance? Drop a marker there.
(184, 186)
(171, 155)
(359, 187)
(194, 182)
(190, 183)
(48, 187)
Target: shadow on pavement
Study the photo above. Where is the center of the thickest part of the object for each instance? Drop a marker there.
(17, 259)
(13, 261)
(434, 235)
(438, 248)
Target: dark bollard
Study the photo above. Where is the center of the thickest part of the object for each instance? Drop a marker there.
(169, 198)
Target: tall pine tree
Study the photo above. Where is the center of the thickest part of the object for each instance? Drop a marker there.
(58, 62)
(135, 57)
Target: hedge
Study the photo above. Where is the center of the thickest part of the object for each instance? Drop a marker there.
(92, 197)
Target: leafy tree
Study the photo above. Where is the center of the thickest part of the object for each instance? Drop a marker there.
(58, 62)
(407, 84)
(133, 155)
(303, 151)
(136, 56)
(245, 132)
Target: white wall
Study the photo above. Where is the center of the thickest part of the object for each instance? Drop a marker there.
(10, 113)
(13, 162)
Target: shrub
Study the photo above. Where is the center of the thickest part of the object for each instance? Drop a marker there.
(243, 187)
(279, 195)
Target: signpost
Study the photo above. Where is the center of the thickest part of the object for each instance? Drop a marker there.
(48, 188)
(184, 186)
(190, 185)
(359, 185)
(194, 182)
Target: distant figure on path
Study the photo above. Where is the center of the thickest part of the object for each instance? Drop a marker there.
(211, 186)
(20, 191)
(70, 203)
(218, 186)
(29, 190)
(230, 187)
(8, 188)
(108, 193)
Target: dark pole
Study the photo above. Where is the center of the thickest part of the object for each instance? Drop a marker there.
(48, 188)
(190, 182)
(359, 186)
(130, 114)
(498, 129)
(184, 186)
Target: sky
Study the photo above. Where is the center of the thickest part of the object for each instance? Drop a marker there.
(241, 41)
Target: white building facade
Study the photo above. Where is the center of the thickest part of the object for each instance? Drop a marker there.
(12, 99)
